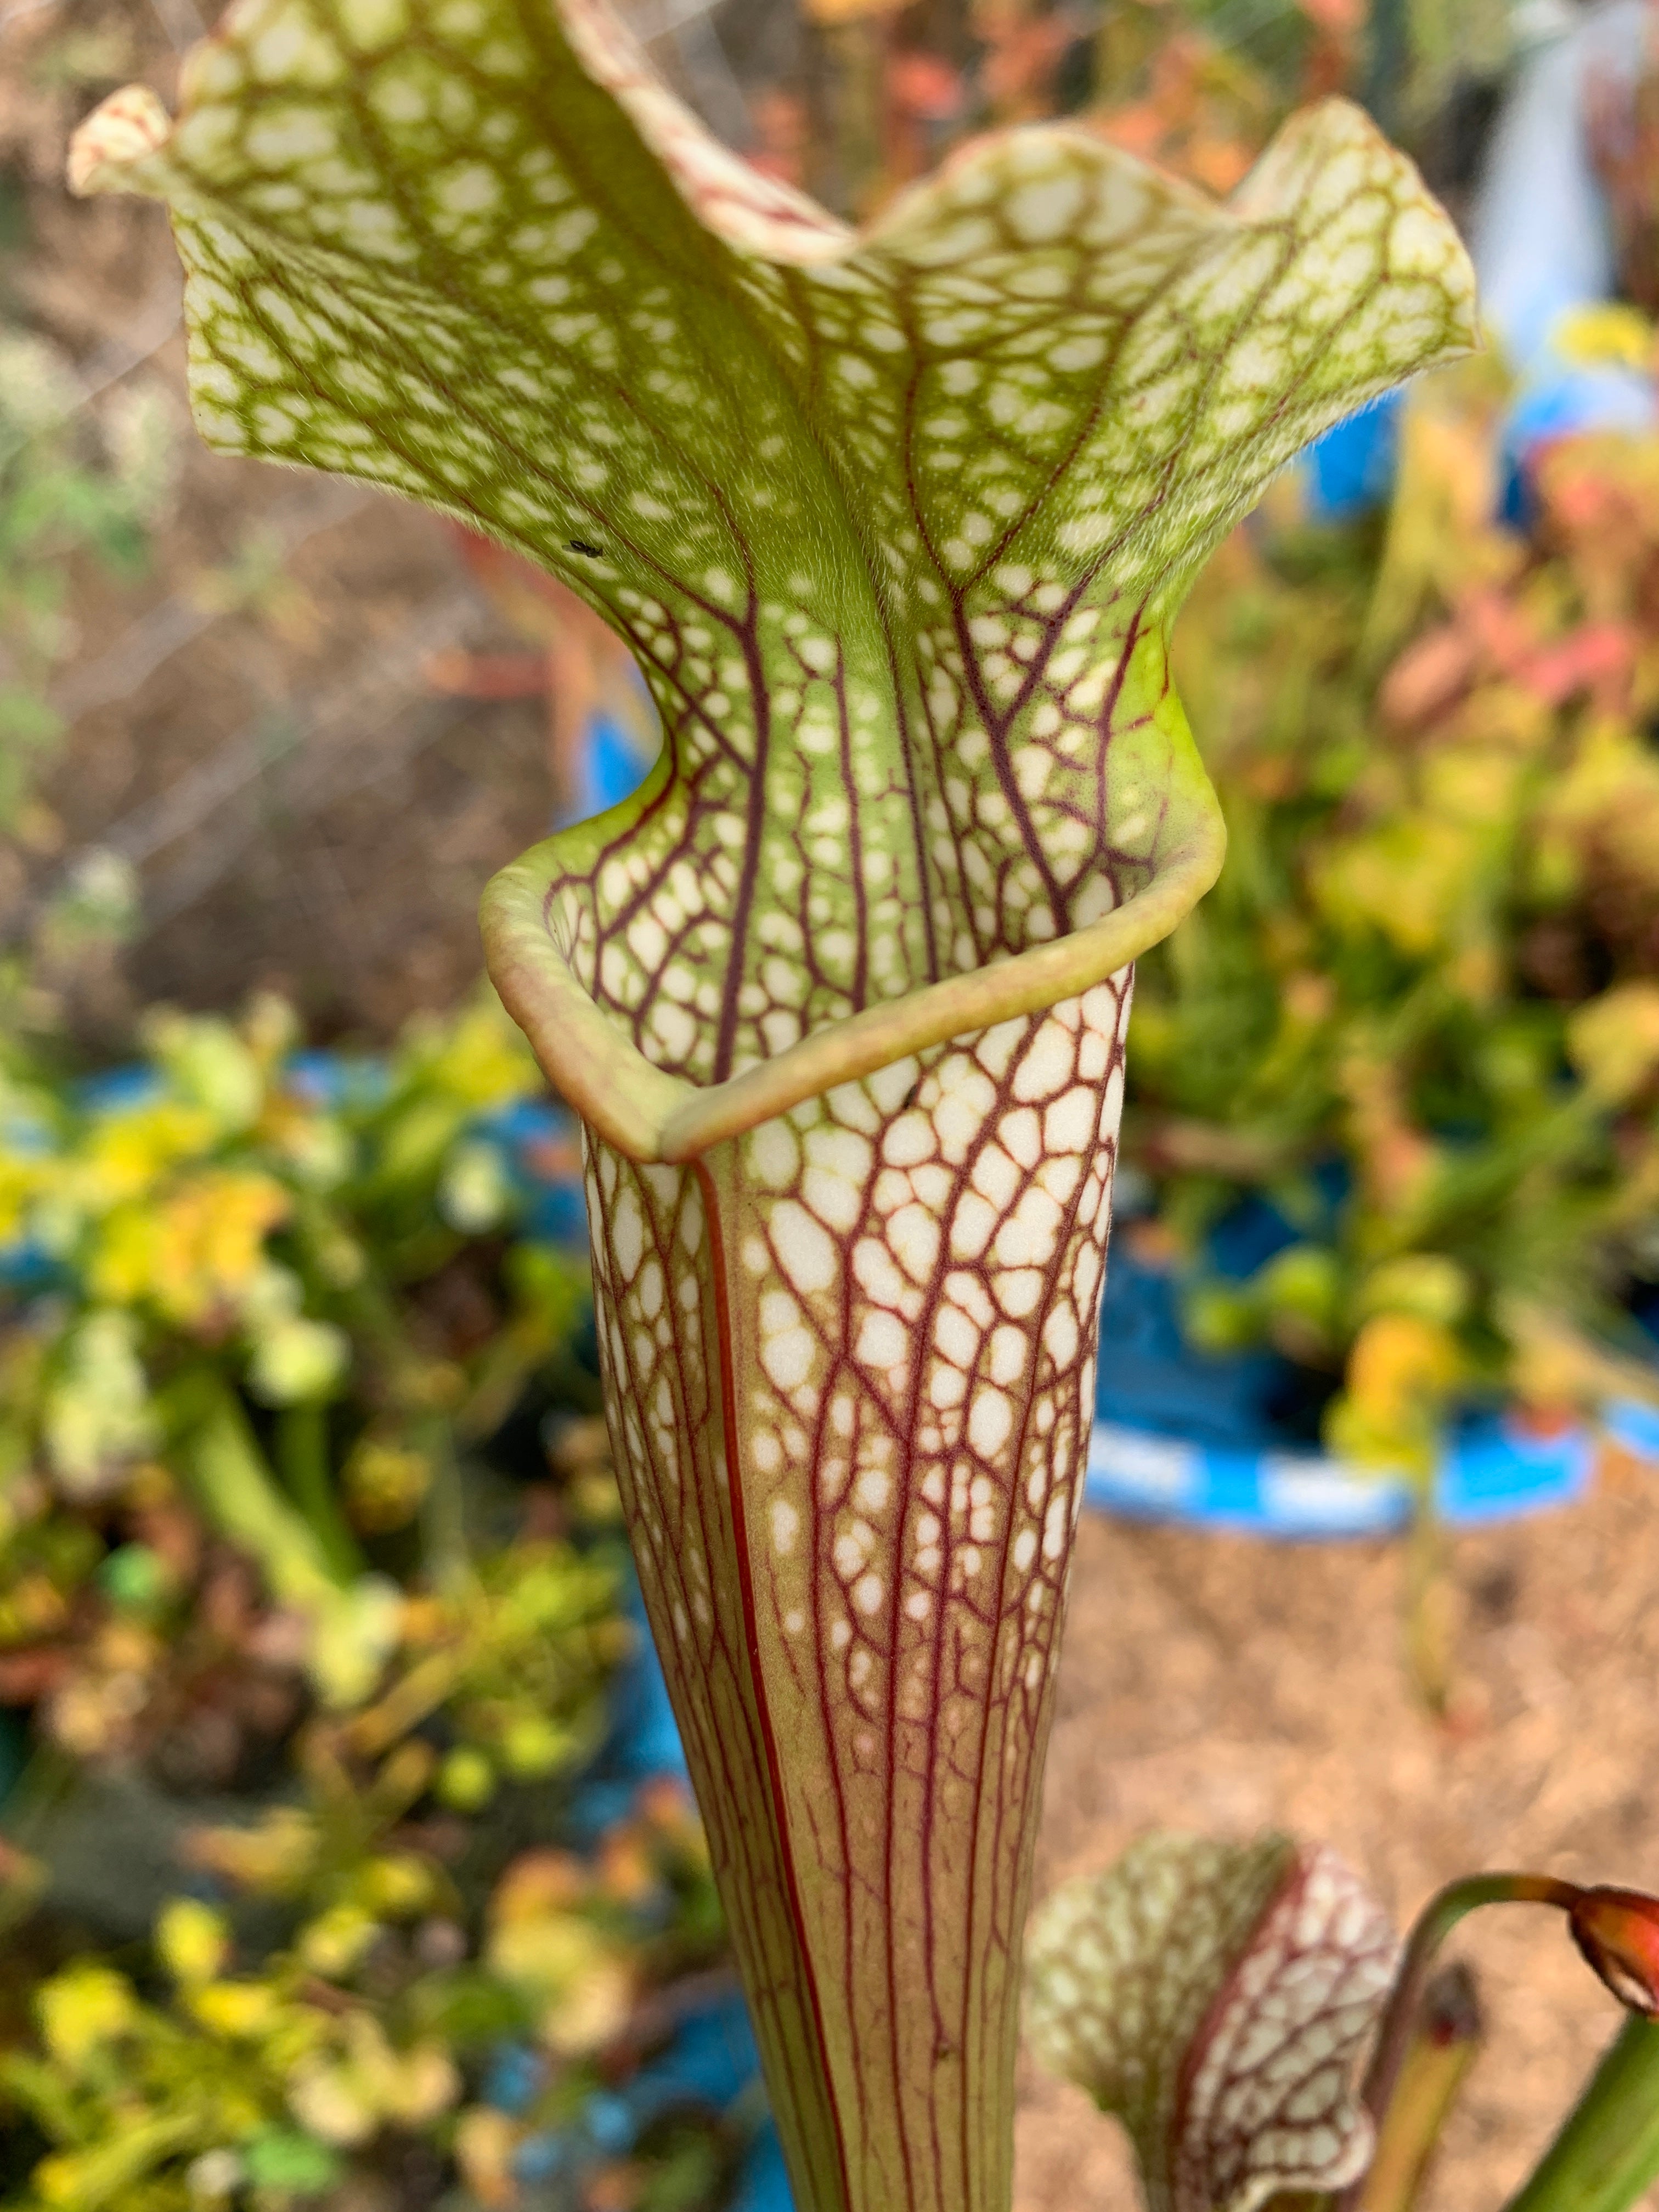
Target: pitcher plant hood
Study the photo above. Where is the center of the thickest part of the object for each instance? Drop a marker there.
(896, 522)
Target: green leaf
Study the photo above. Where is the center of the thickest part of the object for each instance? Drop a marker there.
(896, 523)
(1606, 2152)
(1215, 1996)
(283, 2159)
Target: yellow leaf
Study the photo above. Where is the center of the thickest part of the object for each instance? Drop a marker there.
(240, 2010)
(196, 1252)
(485, 2141)
(1402, 1370)
(337, 1940)
(82, 2009)
(1614, 1041)
(1608, 334)
(191, 1940)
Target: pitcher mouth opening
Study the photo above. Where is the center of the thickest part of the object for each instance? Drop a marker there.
(651, 1116)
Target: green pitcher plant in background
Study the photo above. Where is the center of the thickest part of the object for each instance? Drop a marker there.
(1215, 1997)
(896, 522)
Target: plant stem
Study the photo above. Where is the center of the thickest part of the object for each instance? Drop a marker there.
(302, 1458)
(447, 1555)
(1445, 2037)
(1607, 2150)
(1435, 1923)
(228, 1473)
(1427, 1624)
(105, 2174)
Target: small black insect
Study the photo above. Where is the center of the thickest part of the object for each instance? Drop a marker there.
(592, 552)
(911, 1096)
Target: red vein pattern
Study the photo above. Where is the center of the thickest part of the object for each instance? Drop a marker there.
(896, 524)
(881, 1309)
(1216, 1997)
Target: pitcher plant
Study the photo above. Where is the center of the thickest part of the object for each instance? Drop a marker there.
(896, 522)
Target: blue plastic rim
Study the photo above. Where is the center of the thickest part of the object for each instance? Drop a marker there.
(1492, 1470)
(1230, 1442)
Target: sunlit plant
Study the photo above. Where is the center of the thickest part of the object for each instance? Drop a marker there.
(896, 522)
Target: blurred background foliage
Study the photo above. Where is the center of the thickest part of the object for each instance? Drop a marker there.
(1420, 1015)
(310, 1544)
(330, 1870)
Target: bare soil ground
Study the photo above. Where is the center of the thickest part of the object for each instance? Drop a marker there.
(1229, 1685)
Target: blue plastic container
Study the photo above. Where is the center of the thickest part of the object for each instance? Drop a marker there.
(1230, 1442)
